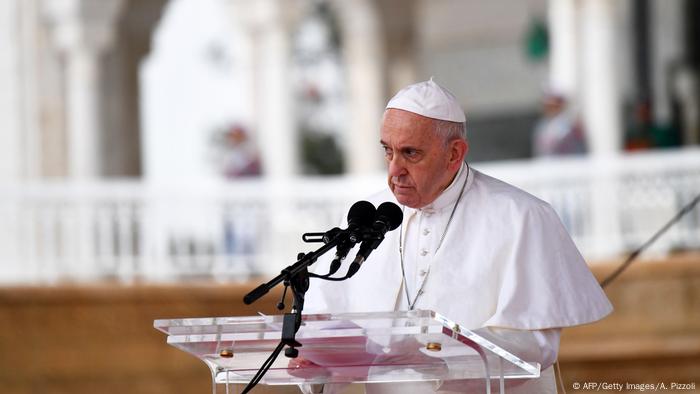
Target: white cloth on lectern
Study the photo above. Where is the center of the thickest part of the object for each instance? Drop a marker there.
(506, 262)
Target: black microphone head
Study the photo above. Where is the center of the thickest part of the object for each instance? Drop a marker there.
(361, 213)
(390, 214)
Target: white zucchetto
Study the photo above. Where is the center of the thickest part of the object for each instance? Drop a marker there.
(430, 100)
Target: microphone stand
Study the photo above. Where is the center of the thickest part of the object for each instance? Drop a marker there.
(295, 276)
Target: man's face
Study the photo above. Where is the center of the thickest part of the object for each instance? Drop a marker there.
(421, 165)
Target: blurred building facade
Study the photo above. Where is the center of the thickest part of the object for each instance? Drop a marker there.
(74, 95)
(162, 142)
(99, 178)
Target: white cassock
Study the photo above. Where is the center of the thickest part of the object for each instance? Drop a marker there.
(506, 267)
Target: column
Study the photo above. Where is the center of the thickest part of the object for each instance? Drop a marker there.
(601, 115)
(10, 146)
(20, 107)
(10, 94)
(267, 25)
(563, 57)
(364, 59)
(667, 42)
(601, 102)
(83, 30)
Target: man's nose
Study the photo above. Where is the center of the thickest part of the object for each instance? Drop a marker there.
(396, 166)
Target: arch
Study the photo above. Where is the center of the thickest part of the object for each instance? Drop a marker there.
(120, 146)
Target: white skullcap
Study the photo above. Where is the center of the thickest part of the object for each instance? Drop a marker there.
(430, 100)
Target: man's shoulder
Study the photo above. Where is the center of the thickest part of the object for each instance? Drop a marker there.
(503, 194)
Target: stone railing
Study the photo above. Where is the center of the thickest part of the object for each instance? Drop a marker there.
(132, 230)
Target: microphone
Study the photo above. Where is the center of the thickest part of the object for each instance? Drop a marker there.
(389, 217)
(360, 217)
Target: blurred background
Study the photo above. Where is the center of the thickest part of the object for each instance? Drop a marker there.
(160, 158)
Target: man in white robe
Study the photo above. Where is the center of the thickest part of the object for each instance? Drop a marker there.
(483, 253)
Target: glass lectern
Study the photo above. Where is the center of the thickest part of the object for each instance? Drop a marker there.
(417, 345)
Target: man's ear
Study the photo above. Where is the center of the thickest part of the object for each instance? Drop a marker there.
(458, 151)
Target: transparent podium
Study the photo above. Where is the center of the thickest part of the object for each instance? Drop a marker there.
(417, 345)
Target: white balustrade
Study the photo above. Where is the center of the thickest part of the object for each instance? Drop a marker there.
(131, 230)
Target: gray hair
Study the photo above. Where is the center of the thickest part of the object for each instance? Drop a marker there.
(449, 131)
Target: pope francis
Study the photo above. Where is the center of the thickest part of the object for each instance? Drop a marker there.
(487, 255)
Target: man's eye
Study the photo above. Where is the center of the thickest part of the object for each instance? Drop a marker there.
(411, 152)
(387, 151)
